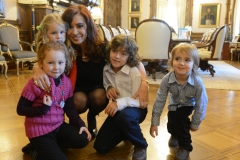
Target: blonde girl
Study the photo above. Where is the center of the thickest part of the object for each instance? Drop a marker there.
(44, 111)
(51, 29)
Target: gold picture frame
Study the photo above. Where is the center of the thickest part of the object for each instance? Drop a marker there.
(135, 6)
(209, 15)
(134, 20)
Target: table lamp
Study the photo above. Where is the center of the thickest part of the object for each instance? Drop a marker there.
(96, 13)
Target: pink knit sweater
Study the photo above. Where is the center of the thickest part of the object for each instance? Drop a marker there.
(41, 125)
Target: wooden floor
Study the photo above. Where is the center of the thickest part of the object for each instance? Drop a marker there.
(217, 139)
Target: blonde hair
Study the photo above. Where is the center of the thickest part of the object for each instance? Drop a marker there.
(41, 54)
(130, 45)
(186, 48)
(43, 27)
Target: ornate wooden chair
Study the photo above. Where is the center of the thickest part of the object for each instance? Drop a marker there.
(216, 45)
(153, 37)
(121, 30)
(127, 31)
(210, 35)
(235, 48)
(206, 38)
(4, 65)
(113, 30)
(11, 46)
(105, 33)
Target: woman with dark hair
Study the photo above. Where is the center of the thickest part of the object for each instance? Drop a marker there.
(87, 71)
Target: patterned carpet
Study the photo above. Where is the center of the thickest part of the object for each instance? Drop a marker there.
(226, 77)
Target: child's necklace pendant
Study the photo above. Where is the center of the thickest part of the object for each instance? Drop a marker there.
(62, 103)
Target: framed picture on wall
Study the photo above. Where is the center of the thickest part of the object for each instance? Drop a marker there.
(209, 15)
(133, 22)
(2, 9)
(135, 6)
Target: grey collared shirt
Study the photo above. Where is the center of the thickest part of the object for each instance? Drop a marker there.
(193, 93)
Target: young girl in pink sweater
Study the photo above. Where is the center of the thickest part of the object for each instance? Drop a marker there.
(44, 111)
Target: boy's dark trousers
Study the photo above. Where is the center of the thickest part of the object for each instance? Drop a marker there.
(124, 125)
(179, 126)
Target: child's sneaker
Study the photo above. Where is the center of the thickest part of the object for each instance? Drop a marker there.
(182, 154)
(173, 142)
(139, 154)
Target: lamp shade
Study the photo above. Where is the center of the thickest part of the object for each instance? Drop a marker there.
(96, 13)
(33, 1)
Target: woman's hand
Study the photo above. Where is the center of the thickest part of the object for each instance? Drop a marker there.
(89, 136)
(40, 78)
(112, 93)
(142, 93)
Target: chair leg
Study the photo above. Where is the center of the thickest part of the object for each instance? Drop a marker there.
(6, 68)
(163, 67)
(154, 66)
(154, 74)
(205, 66)
(17, 64)
(211, 70)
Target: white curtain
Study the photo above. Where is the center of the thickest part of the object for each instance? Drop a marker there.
(236, 19)
(172, 12)
(181, 11)
(161, 9)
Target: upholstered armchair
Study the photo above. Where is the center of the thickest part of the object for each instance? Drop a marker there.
(121, 30)
(4, 65)
(127, 31)
(235, 51)
(105, 33)
(113, 30)
(216, 45)
(207, 37)
(235, 48)
(153, 37)
(11, 46)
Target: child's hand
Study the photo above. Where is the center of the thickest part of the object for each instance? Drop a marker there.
(89, 136)
(112, 93)
(193, 130)
(111, 109)
(47, 100)
(152, 130)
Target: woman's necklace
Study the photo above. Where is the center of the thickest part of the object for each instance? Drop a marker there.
(84, 57)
